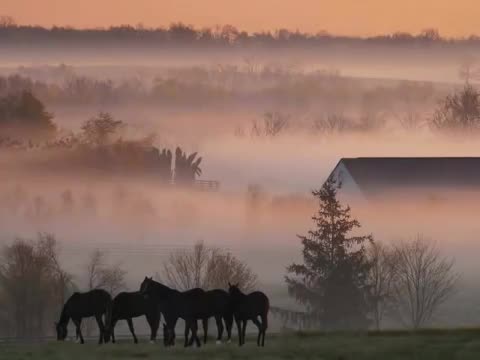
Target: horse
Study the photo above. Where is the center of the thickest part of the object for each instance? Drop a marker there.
(249, 307)
(128, 305)
(189, 305)
(218, 306)
(95, 303)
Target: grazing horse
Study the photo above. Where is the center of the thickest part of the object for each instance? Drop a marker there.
(95, 303)
(188, 305)
(218, 306)
(249, 307)
(128, 305)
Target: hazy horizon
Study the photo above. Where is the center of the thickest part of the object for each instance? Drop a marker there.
(345, 17)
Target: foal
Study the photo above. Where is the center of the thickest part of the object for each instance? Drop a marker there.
(249, 307)
(95, 303)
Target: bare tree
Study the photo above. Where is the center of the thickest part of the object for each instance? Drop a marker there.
(424, 280)
(102, 275)
(223, 268)
(381, 279)
(469, 69)
(206, 267)
(332, 124)
(458, 112)
(273, 124)
(7, 21)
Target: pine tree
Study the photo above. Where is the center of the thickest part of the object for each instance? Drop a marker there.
(332, 281)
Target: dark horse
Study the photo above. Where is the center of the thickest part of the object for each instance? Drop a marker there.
(128, 305)
(218, 306)
(188, 305)
(82, 305)
(249, 307)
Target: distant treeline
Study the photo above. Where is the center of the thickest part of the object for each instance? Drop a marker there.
(268, 86)
(226, 35)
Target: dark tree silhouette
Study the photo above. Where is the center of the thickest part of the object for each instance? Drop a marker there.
(33, 286)
(459, 111)
(99, 130)
(186, 167)
(332, 281)
(23, 116)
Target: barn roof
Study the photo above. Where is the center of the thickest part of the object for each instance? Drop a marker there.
(377, 174)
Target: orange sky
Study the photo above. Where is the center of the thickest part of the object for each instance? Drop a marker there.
(355, 17)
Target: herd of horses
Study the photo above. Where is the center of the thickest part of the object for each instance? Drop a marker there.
(155, 299)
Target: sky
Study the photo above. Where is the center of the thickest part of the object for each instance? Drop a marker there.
(345, 17)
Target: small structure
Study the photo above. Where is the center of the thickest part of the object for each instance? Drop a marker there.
(370, 178)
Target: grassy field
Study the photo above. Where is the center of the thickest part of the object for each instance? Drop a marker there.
(425, 345)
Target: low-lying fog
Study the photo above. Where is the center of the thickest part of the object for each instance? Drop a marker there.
(139, 222)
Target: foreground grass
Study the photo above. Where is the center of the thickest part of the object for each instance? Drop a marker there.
(394, 345)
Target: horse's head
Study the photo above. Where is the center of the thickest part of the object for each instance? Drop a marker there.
(146, 286)
(62, 331)
(234, 290)
(168, 335)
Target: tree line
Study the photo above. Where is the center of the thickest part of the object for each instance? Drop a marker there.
(179, 33)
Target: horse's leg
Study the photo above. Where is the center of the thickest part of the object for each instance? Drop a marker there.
(192, 339)
(244, 329)
(132, 330)
(229, 324)
(264, 327)
(205, 329)
(218, 320)
(188, 324)
(260, 329)
(153, 321)
(112, 330)
(101, 328)
(78, 328)
(239, 330)
(195, 333)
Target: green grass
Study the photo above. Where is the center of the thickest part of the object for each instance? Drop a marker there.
(391, 345)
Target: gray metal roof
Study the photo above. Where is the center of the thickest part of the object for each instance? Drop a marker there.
(377, 174)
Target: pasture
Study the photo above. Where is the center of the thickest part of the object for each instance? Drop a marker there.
(392, 345)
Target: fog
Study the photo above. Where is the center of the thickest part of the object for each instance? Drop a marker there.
(139, 222)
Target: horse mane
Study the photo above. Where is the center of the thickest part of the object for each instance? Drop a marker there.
(161, 289)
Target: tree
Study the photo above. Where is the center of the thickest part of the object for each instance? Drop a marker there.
(102, 275)
(186, 167)
(33, 285)
(458, 112)
(207, 268)
(332, 281)
(469, 70)
(24, 116)
(273, 124)
(7, 21)
(424, 280)
(381, 277)
(99, 131)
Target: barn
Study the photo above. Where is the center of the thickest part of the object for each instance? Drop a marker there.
(372, 178)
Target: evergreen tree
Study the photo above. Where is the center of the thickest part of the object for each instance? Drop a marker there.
(332, 281)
